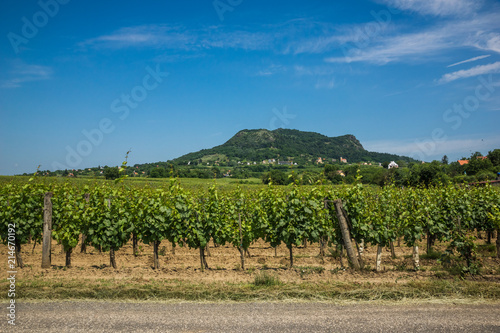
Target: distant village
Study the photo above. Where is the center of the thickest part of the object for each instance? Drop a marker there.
(199, 169)
(136, 172)
(273, 161)
(320, 160)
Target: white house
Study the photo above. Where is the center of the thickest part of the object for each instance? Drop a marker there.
(392, 165)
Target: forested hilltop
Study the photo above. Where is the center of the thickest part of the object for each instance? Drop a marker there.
(287, 145)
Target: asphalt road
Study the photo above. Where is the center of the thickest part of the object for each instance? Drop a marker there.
(87, 316)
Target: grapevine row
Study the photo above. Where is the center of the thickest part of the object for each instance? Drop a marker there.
(109, 216)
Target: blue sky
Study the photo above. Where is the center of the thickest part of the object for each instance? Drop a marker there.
(82, 82)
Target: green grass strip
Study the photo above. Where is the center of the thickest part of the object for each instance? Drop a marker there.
(178, 290)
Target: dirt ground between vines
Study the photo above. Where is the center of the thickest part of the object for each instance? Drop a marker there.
(224, 265)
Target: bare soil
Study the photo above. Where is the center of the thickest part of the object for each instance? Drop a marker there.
(224, 265)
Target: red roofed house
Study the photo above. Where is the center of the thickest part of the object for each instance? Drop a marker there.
(462, 162)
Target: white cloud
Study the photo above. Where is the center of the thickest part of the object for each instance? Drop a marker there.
(378, 42)
(420, 45)
(330, 37)
(271, 70)
(397, 48)
(23, 73)
(180, 38)
(474, 71)
(487, 41)
(239, 39)
(144, 36)
(326, 84)
(436, 7)
(469, 60)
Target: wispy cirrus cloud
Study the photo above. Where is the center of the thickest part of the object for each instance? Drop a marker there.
(180, 38)
(23, 73)
(321, 77)
(488, 41)
(474, 71)
(330, 37)
(436, 7)
(399, 47)
(326, 84)
(143, 36)
(478, 33)
(371, 42)
(271, 70)
(469, 60)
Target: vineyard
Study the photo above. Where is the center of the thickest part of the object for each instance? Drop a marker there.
(341, 220)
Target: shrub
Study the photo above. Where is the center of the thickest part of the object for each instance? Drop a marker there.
(265, 279)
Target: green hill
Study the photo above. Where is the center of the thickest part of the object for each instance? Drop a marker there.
(287, 144)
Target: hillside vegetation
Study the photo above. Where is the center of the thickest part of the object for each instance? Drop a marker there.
(287, 144)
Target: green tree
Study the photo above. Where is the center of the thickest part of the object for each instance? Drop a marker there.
(477, 164)
(111, 173)
(427, 174)
(454, 169)
(494, 157)
(331, 173)
(158, 173)
(276, 177)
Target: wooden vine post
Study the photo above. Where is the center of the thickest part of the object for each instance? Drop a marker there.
(47, 230)
(112, 261)
(379, 259)
(416, 258)
(359, 247)
(346, 235)
(242, 251)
